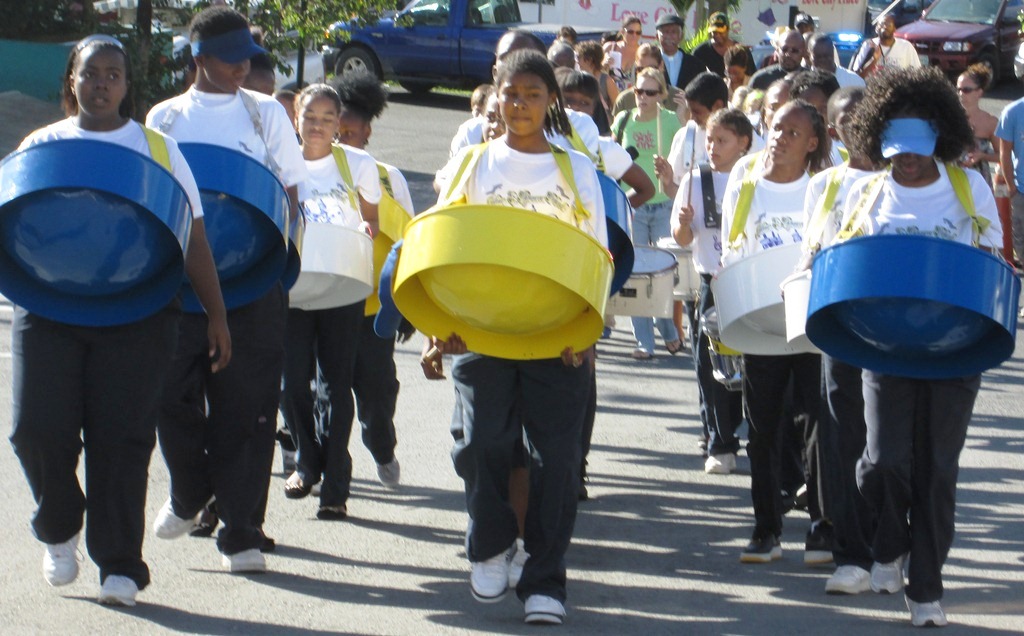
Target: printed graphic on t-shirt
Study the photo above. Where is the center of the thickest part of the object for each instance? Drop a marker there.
(946, 230)
(643, 140)
(770, 230)
(558, 199)
(331, 206)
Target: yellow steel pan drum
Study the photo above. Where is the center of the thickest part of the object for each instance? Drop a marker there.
(511, 283)
(392, 219)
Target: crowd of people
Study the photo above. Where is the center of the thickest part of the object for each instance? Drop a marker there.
(823, 157)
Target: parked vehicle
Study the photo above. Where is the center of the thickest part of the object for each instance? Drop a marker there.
(953, 34)
(432, 42)
(902, 11)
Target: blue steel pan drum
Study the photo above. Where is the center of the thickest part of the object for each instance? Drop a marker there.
(619, 214)
(245, 210)
(91, 233)
(913, 306)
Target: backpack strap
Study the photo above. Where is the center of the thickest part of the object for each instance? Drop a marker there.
(962, 188)
(157, 147)
(712, 216)
(253, 108)
(816, 227)
(341, 160)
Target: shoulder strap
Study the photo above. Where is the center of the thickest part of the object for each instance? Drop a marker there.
(157, 147)
(462, 175)
(739, 218)
(577, 143)
(712, 217)
(816, 227)
(385, 180)
(962, 188)
(854, 225)
(565, 167)
(346, 175)
(253, 108)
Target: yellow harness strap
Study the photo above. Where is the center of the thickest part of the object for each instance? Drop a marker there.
(346, 176)
(961, 187)
(392, 218)
(743, 202)
(157, 148)
(825, 202)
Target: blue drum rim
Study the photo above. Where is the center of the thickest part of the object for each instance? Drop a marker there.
(620, 245)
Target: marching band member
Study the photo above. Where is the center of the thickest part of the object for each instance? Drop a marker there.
(99, 387)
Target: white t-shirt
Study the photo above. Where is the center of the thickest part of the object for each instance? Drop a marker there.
(131, 137)
(222, 120)
(616, 160)
(399, 188)
(848, 78)
(834, 215)
(681, 152)
(471, 133)
(776, 217)
(707, 242)
(932, 210)
(504, 176)
(327, 197)
(901, 54)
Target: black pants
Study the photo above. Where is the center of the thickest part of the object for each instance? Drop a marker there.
(842, 436)
(721, 409)
(552, 400)
(765, 381)
(915, 432)
(376, 388)
(217, 429)
(97, 387)
(322, 345)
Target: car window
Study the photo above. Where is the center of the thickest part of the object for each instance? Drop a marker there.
(488, 12)
(430, 13)
(974, 11)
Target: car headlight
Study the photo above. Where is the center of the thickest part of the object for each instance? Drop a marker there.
(956, 47)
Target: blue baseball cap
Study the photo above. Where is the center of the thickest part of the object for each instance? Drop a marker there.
(231, 47)
(908, 134)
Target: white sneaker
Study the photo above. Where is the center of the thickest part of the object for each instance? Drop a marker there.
(515, 567)
(887, 578)
(246, 561)
(118, 590)
(60, 562)
(390, 474)
(720, 464)
(170, 526)
(544, 610)
(848, 579)
(488, 580)
(926, 614)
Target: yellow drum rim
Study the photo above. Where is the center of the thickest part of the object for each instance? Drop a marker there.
(392, 218)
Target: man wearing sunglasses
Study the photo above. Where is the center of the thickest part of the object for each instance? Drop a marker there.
(680, 67)
(792, 50)
(712, 53)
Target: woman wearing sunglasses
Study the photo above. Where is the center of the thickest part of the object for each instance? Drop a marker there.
(624, 49)
(970, 86)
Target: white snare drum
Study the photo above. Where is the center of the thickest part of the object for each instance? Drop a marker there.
(796, 291)
(688, 283)
(337, 268)
(749, 301)
(648, 292)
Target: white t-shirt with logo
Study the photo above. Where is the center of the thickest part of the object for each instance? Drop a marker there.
(932, 210)
(328, 199)
(222, 120)
(532, 181)
(834, 215)
(129, 136)
(707, 242)
(776, 216)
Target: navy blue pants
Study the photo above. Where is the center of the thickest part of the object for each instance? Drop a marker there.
(97, 388)
(721, 409)
(321, 346)
(765, 382)
(915, 432)
(217, 429)
(376, 389)
(552, 400)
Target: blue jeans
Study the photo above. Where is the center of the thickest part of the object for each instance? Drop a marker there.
(652, 221)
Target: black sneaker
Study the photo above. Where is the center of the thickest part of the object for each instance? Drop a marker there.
(818, 548)
(762, 549)
(207, 522)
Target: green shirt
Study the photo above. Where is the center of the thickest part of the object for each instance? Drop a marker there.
(643, 136)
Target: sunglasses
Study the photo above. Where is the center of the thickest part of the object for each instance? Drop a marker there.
(650, 92)
(964, 90)
(632, 32)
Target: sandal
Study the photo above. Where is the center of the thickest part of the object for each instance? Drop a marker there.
(674, 347)
(295, 488)
(640, 354)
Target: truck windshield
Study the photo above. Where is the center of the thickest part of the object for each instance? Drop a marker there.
(972, 11)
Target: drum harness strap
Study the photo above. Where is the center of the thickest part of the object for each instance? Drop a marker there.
(577, 144)
(825, 202)
(461, 178)
(961, 186)
(346, 176)
(157, 147)
(712, 216)
(251, 107)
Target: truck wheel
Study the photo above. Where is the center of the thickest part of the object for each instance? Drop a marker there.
(989, 59)
(416, 88)
(356, 60)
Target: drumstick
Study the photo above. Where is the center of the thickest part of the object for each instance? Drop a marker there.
(658, 134)
(693, 158)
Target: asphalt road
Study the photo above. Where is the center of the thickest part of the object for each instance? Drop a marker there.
(655, 551)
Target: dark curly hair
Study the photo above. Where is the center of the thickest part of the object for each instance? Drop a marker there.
(362, 94)
(912, 92)
(214, 21)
